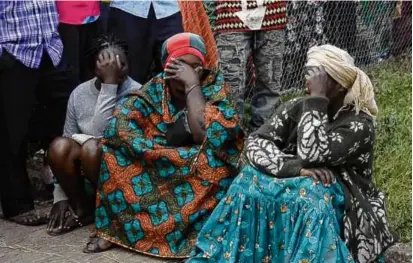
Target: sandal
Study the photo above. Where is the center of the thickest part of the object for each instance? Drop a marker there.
(73, 221)
(31, 218)
(95, 245)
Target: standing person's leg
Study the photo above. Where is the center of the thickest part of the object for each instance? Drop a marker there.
(162, 29)
(134, 31)
(234, 50)
(53, 92)
(16, 97)
(268, 61)
(70, 35)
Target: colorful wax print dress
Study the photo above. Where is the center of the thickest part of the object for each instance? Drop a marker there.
(154, 198)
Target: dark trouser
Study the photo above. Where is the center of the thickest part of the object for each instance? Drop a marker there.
(19, 88)
(77, 39)
(144, 37)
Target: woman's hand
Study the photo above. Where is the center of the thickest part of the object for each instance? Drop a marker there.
(317, 82)
(323, 175)
(108, 67)
(184, 73)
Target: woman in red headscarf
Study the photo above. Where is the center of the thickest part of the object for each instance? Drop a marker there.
(169, 154)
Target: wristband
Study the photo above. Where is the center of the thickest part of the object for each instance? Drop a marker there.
(190, 89)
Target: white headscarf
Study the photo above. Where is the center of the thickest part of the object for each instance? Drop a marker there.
(340, 66)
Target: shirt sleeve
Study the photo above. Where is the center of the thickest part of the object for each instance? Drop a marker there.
(71, 126)
(104, 107)
(263, 149)
(318, 143)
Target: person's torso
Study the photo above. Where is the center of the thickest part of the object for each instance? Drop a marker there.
(227, 21)
(85, 99)
(78, 12)
(141, 8)
(342, 119)
(27, 28)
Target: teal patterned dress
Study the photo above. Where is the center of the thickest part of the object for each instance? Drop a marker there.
(271, 214)
(265, 219)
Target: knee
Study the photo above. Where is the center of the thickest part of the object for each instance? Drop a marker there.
(91, 150)
(59, 149)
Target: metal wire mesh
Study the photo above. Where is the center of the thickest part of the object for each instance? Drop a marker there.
(371, 31)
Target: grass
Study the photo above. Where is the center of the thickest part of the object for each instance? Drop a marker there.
(393, 152)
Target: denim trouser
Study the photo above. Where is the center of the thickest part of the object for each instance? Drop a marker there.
(234, 51)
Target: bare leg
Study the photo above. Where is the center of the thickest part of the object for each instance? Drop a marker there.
(90, 156)
(63, 157)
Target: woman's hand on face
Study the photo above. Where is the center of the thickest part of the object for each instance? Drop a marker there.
(317, 82)
(323, 175)
(109, 68)
(182, 72)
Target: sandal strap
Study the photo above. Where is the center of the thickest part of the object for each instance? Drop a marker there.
(78, 221)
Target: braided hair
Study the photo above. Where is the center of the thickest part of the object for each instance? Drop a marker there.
(101, 43)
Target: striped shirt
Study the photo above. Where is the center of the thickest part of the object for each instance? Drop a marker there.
(27, 29)
(227, 21)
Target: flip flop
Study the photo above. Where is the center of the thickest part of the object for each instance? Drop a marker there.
(97, 248)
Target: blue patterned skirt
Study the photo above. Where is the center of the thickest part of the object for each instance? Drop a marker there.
(265, 219)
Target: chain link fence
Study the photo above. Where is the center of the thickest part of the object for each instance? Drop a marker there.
(371, 31)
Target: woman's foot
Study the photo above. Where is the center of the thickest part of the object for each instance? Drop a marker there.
(63, 219)
(57, 216)
(96, 245)
(31, 218)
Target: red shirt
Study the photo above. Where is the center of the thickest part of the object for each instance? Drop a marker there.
(78, 12)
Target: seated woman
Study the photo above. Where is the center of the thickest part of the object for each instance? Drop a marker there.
(277, 210)
(76, 155)
(169, 155)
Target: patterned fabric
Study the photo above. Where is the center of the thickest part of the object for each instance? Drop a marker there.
(195, 20)
(78, 12)
(265, 219)
(183, 44)
(227, 20)
(27, 29)
(345, 146)
(154, 198)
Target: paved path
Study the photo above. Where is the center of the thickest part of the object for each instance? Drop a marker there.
(21, 244)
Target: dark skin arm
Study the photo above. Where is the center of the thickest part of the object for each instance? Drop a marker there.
(195, 101)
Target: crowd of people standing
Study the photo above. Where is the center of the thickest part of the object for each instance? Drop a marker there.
(145, 132)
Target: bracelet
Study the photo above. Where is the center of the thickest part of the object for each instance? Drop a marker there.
(190, 89)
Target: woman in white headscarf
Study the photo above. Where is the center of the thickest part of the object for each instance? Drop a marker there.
(305, 193)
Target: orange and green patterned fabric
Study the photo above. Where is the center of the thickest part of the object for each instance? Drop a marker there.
(154, 198)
